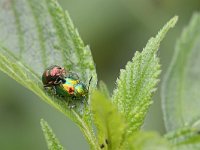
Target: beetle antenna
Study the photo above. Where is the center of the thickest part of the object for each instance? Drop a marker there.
(89, 83)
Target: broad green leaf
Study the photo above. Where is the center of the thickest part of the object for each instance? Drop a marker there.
(184, 139)
(109, 123)
(34, 35)
(52, 141)
(146, 141)
(10, 65)
(41, 34)
(137, 81)
(180, 89)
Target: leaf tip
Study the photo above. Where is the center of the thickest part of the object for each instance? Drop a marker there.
(173, 21)
(42, 122)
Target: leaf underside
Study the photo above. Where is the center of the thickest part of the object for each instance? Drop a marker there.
(42, 34)
(180, 89)
(35, 35)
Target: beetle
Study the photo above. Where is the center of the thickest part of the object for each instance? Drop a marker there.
(64, 83)
(53, 75)
(72, 88)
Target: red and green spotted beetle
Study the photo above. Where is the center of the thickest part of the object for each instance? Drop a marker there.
(64, 83)
(72, 88)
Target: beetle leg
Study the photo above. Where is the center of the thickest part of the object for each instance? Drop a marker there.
(48, 84)
(54, 90)
(84, 100)
(71, 105)
(59, 80)
(63, 80)
(45, 87)
(73, 97)
(89, 83)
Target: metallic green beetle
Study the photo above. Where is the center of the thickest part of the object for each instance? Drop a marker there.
(72, 87)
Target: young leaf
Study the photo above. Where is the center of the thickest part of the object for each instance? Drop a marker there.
(52, 141)
(184, 139)
(146, 141)
(109, 123)
(137, 81)
(34, 35)
(180, 89)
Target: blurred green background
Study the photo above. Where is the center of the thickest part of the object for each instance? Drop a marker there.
(114, 29)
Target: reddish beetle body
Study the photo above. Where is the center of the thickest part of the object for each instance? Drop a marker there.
(53, 75)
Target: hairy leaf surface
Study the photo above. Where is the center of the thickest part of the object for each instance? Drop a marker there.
(52, 141)
(137, 81)
(34, 35)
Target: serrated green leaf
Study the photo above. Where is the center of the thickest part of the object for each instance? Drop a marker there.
(34, 35)
(25, 76)
(109, 123)
(184, 139)
(52, 141)
(146, 141)
(180, 89)
(137, 81)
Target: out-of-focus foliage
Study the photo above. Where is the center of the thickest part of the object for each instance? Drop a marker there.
(147, 141)
(180, 92)
(184, 138)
